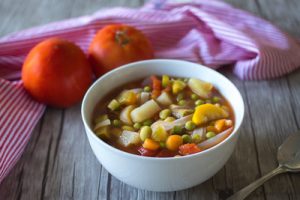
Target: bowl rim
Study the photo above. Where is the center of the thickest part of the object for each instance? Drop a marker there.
(134, 156)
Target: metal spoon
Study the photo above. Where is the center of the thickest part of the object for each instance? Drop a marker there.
(288, 157)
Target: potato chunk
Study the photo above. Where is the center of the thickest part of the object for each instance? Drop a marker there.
(128, 138)
(145, 111)
(201, 88)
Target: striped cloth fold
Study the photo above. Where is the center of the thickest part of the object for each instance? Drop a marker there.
(209, 32)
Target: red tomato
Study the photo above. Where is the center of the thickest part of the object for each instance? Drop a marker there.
(116, 45)
(147, 152)
(57, 72)
(187, 149)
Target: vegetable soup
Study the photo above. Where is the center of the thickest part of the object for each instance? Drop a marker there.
(164, 117)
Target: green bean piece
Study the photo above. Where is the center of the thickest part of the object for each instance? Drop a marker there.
(145, 133)
(190, 125)
(199, 102)
(147, 88)
(182, 102)
(210, 134)
(116, 123)
(186, 138)
(164, 113)
(180, 97)
(147, 122)
(114, 105)
(194, 97)
(137, 126)
(215, 99)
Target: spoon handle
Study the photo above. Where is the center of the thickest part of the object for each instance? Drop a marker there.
(243, 193)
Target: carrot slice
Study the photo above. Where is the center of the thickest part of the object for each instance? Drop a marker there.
(215, 140)
(156, 86)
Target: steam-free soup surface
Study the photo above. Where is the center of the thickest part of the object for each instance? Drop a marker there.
(164, 117)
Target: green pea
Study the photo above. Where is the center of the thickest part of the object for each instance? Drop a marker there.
(194, 97)
(116, 123)
(186, 138)
(210, 134)
(145, 133)
(196, 138)
(180, 97)
(190, 125)
(215, 99)
(162, 145)
(147, 122)
(199, 102)
(137, 126)
(177, 130)
(182, 102)
(147, 88)
(164, 113)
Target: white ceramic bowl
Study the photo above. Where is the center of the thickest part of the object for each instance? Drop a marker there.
(161, 174)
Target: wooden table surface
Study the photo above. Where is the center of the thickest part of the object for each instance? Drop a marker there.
(58, 162)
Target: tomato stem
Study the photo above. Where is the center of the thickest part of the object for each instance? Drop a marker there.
(121, 37)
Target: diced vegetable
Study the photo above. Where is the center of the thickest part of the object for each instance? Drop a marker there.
(169, 119)
(147, 88)
(186, 138)
(173, 142)
(151, 144)
(159, 134)
(116, 123)
(164, 113)
(137, 126)
(125, 114)
(201, 88)
(182, 102)
(228, 122)
(211, 128)
(114, 105)
(145, 111)
(196, 138)
(102, 123)
(136, 90)
(215, 99)
(178, 130)
(145, 133)
(220, 125)
(178, 86)
(194, 97)
(103, 133)
(207, 112)
(147, 122)
(190, 126)
(187, 149)
(128, 128)
(145, 96)
(127, 97)
(210, 134)
(165, 81)
(156, 85)
(215, 140)
(164, 99)
(199, 102)
(128, 138)
(100, 118)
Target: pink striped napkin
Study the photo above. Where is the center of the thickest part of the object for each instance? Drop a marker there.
(209, 32)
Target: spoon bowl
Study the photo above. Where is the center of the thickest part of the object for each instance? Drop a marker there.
(288, 156)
